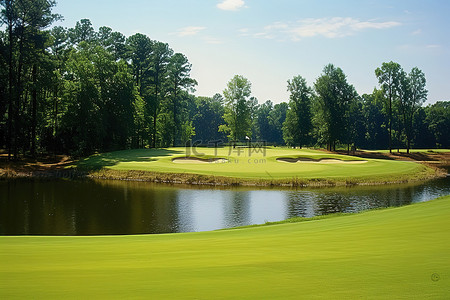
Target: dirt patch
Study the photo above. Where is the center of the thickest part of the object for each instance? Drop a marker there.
(40, 164)
(196, 160)
(321, 160)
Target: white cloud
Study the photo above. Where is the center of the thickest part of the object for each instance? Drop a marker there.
(433, 46)
(189, 31)
(212, 40)
(336, 27)
(231, 4)
(416, 32)
(328, 27)
(244, 32)
(277, 26)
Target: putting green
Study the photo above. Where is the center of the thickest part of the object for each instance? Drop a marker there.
(257, 164)
(396, 253)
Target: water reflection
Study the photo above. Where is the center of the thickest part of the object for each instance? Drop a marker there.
(87, 207)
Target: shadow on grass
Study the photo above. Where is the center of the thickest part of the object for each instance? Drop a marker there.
(99, 161)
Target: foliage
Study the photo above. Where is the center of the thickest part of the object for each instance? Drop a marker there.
(332, 106)
(78, 91)
(238, 108)
(297, 126)
(207, 117)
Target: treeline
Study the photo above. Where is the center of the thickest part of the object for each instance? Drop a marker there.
(78, 90)
(332, 114)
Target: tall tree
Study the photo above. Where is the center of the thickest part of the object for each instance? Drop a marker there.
(334, 96)
(9, 17)
(438, 119)
(263, 123)
(140, 48)
(208, 118)
(238, 108)
(159, 61)
(373, 113)
(413, 94)
(388, 77)
(60, 51)
(277, 117)
(25, 19)
(297, 127)
(3, 87)
(82, 32)
(112, 41)
(179, 80)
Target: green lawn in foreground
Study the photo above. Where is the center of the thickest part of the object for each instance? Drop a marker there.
(254, 165)
(386, 254)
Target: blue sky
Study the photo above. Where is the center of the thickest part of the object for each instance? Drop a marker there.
(270, 41)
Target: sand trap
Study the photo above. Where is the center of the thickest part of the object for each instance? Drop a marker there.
(196, 160)
(321, 160)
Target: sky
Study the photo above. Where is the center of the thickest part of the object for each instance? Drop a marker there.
(271, 41)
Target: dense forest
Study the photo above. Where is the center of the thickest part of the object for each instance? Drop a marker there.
(78, 91)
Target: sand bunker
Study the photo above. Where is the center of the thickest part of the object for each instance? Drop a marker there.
(321, 160)
(196, 160)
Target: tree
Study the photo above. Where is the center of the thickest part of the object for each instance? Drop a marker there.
(113, 42)
(277, 117)
(82, 32)
(412, 95)
(25, 21)
(238, 108)
(373, 114)
(264, 128)
(179, 80)
(159, 61)
(388, 77)
(438, 119)
(208, 117)
(140, 48)
(332, 104)
(8, 17)
(297, 126)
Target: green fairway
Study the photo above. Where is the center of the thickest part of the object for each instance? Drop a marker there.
(259, 164)
(396, 253)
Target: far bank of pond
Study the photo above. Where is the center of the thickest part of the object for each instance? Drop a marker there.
(267, 167)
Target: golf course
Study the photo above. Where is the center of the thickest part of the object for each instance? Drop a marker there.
(251, 165)
(397, 253)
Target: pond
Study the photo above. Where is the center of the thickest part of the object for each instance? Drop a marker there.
(94, 207)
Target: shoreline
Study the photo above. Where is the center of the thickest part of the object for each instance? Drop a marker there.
(436, 166)
(219, 181)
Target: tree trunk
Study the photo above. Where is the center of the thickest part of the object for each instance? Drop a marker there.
(18, 93)
(10, 92)
(155, 112)
(175, 116)
(390, 120)
(34, 111)
(55, 126)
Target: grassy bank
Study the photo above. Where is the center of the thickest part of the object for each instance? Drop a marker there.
(274, 166)
(398, 253)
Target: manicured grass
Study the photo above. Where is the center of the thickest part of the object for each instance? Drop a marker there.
(256, 165)
(386, 254)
